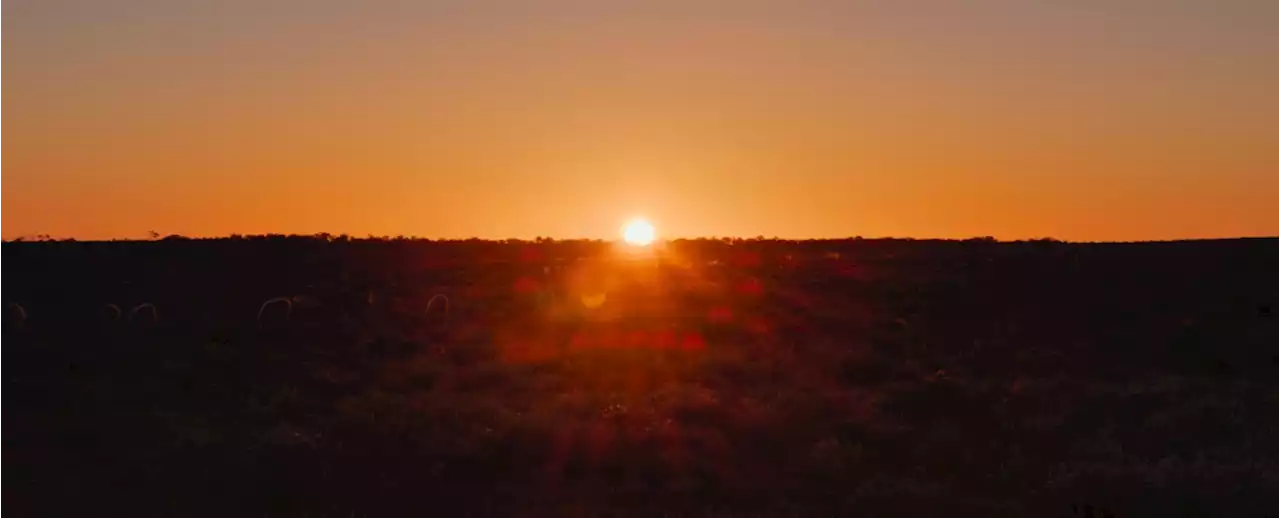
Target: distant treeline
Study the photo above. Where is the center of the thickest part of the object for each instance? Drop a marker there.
(577, 242)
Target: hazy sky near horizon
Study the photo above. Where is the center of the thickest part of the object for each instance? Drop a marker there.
(1077, 119)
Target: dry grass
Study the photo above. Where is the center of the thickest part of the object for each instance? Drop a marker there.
(788, 398)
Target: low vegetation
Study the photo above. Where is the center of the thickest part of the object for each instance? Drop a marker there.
(715, 378)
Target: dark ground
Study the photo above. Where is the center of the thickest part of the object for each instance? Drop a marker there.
(766, 378)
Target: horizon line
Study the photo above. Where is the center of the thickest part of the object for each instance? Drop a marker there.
(45, 238)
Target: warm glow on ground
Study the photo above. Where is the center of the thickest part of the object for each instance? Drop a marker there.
(638, 232)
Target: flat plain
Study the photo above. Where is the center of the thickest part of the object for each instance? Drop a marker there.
(698, 378)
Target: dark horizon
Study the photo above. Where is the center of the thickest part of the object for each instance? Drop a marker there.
(41, 238)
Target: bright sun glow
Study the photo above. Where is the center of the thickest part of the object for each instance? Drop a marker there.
(638, 232)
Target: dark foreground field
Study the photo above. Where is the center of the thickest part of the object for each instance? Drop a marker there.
(839, 378)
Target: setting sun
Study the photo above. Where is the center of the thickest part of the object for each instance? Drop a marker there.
(638, 232)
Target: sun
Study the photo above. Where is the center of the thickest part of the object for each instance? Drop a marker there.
(638, 232)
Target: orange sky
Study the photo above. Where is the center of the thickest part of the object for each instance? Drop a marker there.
(1082, 120)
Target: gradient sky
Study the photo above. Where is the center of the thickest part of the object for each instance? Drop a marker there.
(1078, 119)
